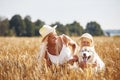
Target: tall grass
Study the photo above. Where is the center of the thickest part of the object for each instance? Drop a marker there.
(18, 61)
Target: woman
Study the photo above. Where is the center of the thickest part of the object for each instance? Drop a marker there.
(56, 49)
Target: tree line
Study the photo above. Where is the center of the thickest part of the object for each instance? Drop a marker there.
(17, 26)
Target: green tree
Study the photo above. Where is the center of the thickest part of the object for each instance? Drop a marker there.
(18, 24)
(94, 29)
(38, 24)
(29, 26)
(61, 29)
(4, 26)
(75, 29)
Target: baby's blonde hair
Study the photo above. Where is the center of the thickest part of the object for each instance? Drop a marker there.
(86, 36)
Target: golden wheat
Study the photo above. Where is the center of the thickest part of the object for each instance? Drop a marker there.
(18, 61)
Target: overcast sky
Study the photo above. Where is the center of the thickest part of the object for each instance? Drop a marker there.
(104, 12)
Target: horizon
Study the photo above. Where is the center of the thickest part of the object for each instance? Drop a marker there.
(104, 12)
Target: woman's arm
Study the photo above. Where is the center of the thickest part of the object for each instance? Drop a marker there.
(69, 42)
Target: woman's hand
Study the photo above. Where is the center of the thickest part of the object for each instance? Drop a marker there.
(74, 59)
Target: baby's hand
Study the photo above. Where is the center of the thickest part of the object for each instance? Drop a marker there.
(82, 65)
(94, 64)
(86, 65)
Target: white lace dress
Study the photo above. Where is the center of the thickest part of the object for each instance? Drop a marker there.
(64, 56)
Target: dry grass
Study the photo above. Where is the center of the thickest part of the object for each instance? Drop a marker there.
(18, 61)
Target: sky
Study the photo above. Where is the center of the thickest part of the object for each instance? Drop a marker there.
(104, 12)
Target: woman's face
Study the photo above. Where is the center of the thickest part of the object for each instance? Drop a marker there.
(86, 42)
(52, 38)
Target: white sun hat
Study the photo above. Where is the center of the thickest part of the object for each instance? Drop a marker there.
(46, 29)
(87, 35)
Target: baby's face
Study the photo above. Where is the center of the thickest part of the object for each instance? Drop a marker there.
(86, 42)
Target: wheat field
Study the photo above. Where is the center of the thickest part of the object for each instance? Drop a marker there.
(18, 61)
